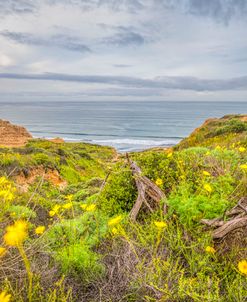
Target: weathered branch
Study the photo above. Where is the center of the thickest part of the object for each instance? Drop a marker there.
(237, 219)
(146, 190)
(229, 227)
(216, 222)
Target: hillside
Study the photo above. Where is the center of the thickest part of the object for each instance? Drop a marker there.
(225, 131)
(66, 234)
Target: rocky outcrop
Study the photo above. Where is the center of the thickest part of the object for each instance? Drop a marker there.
(13, 135)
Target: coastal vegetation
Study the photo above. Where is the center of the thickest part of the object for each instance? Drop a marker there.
(66, 234)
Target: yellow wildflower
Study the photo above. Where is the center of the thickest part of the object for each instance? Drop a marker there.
(169, 154)
(4, 297)
(242, 267)
(160, 224)
(218, 147)
(3, 251)
(21, 225)
(40, 230)
(3, 180)
(69, 197)
(241, 149)
(55, 210)
(83, 206)
(52, 213)
(208, 188)
(210, 250)
(114, 231)
(115, 220)
(68, 205)
(159, 182)
(16, 234)
(91, 208)
(243, 167)
(207, 153)
(206, 173)
(6, 195)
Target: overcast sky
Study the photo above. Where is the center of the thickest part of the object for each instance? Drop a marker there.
(123, 50)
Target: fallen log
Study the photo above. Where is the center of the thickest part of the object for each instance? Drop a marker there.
(147, 191)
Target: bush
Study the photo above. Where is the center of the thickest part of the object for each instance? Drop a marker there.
(21, 212)
(41, 159)
(70, 174)
(119, 194)
(232, 126)
(80, 261)
(72, 241)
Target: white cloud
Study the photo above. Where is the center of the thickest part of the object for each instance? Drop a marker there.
(5, 60)
(131, 38)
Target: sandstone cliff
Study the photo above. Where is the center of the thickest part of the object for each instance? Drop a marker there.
(13, 135)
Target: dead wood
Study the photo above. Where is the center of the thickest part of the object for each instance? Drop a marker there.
(216, 222)
(149, 193)
(229, 227)
(236, 218)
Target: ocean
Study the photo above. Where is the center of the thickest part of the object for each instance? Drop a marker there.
(127, 125)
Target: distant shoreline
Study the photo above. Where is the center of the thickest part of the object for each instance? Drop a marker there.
(135, 148)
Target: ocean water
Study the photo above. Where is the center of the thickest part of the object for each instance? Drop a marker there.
(127, 126)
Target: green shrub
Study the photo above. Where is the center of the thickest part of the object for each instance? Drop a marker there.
(70, 174)
(232, 126)
(21, 212)
(119, 194)
(41, 159)
(192, 208)
(72, 241)
(79, 260)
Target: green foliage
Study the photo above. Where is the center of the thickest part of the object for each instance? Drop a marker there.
(21, 212)
(172, 264)
(119, 194)
(41, 159)
(193, 207)
(70, 174)
(158, 258)
(10, 159)
(74, 249)
(224, 132)
(79, 260)
(234, 126)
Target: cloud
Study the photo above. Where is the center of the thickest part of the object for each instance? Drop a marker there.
(5, 61)
(124, 36)
(125, 39)
(180, 83)
(31, 6)
(17, 7)
(122, 65)
(131, 6)
(58, 40)
(220, 10)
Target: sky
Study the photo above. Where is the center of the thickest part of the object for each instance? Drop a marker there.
(171, 50)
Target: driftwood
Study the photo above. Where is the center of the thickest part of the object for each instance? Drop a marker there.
(237, 219)
(147, 191)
